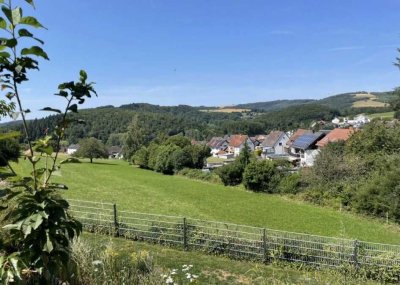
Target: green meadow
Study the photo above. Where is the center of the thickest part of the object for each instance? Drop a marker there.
(139, 190)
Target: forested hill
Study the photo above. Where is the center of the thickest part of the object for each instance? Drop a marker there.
(273, 105)
(111, 124)
(351, 102)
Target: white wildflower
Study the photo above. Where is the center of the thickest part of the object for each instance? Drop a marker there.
(97, 262)
(169, 280)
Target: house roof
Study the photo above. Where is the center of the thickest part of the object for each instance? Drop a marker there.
(194, 142)
(297, 134)
(114, 149)
(216, 142)
(307, 140)
(237, 140)
(335, 135)
(272, 138)
(73, 146)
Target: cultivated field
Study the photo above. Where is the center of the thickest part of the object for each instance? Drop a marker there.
(367, 100)
(140, 190)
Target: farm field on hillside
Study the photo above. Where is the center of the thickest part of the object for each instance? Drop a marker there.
(134, 189)
(367, 100)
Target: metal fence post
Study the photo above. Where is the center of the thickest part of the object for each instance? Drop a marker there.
(185, 244)
(355, 253)
(265, 246)
(116, 225)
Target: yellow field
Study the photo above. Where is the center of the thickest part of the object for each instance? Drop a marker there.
(367, 100)
(226, 110)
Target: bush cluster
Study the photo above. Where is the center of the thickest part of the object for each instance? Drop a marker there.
(171, 155)
(199, 174)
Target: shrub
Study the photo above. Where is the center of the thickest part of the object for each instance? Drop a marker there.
(141, 157)
(231, 174)
(200, 175)
(261, 175)
(290, 184)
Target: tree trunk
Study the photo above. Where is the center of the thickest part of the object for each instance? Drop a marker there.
(91, 160)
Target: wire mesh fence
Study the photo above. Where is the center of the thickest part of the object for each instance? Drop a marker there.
(235, 241)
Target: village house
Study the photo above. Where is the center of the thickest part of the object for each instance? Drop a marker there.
(293, 138)
(72, 149)
(218, 146)
(274, 144)
(305, 146)
(115, 152)
(335, 136)
(237, 143)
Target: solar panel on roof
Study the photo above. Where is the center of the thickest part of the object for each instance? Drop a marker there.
(304, 141)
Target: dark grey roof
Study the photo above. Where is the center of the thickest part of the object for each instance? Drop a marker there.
(307, 140)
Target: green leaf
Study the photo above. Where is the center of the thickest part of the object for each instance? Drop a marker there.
(31, 21)
(73, 108)
(4, 54)
(51, 110)
(83, 75)
(30, 2)
(48, 247)
(14, 261)
(62, 93)
(8, 42)
(16, 15)
(38, 221)
(3, 24)
(35, 50)
(24, 33)
(7, 12)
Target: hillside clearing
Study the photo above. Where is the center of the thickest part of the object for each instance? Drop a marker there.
(140, 190)
(367, 100)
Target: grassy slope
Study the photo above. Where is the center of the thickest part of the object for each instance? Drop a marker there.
(135, 189)
(221, 270)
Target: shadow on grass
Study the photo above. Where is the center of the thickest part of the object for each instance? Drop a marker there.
(99, 163)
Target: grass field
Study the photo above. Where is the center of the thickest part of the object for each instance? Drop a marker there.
(388, 115)
(221, 270)
(135, 189)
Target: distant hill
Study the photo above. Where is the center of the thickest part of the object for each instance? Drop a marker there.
(273, 105)
(345, 101)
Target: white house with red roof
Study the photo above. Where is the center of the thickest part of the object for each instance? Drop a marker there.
(237, 143)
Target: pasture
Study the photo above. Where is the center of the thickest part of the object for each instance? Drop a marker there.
(135, 189)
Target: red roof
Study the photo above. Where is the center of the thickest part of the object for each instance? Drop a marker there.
(237, 140)
(335, 135)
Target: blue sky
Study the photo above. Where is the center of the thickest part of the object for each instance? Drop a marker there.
(219, 52)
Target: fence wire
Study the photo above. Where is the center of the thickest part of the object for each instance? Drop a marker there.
(235, 241)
